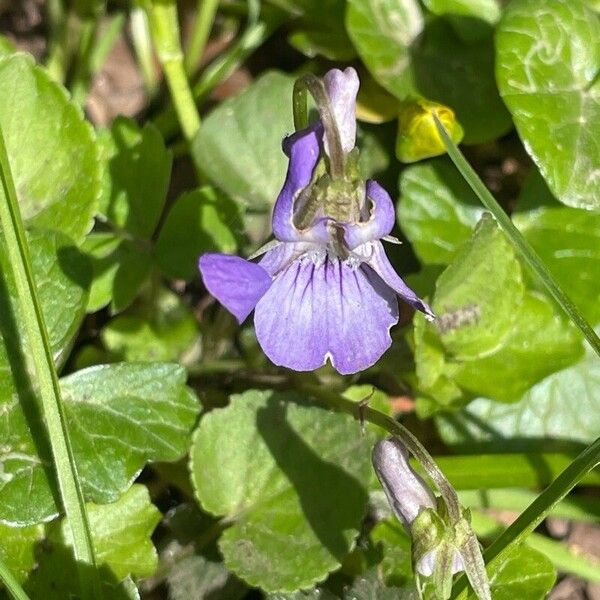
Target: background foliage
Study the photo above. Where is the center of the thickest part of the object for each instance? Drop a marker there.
(206, 471)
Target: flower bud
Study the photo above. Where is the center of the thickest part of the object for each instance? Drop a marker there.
(434, 539)
(418, 136)
(406, 491)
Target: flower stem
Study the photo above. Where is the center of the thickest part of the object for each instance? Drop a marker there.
(537, 511)
(253, 37)
(470, 551)
(529, 254)
(164, 28)
(207, 9)
(94, 56)
(392, 426)
(47, 380)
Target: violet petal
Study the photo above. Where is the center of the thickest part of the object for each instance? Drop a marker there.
(317, 311)
(303, 150)
(379, 224)
(380, 263)
(342, 87)
(236, 283)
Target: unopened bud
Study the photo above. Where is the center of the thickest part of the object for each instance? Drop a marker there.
(418, 136)
(406, 491)
(435, 552)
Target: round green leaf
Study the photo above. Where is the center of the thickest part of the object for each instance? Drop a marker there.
(383, 33)
(477, 297)
(200, 221)
(239, 144)
(292, 479)
(548, 57)
(523, 573)
(18, 548)
(567, 240)
(545, 411)
(120, 269)
(51, 148)
(539, 343)
(146, 413)
(121, 536)
(437, 210)
(121, 532)
(168, 333)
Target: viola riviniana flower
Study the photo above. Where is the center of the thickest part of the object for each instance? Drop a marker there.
(324, 289)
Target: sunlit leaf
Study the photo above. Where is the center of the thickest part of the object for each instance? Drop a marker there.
(295, 492)
(548, 59)
(146, 413)
(239, 143)
(51, 148)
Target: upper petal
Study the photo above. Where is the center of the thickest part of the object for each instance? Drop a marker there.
(236, 283)
(380, 263)
(380, 223)
(303, 149)
(317, 311)
(342, 88)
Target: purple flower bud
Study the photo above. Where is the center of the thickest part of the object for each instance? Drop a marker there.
(415, 505)
(405, 490)
(327, 291)
(342, 88)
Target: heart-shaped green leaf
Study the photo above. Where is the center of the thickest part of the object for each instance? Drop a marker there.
(438, 211)
(413, 56)
(121, 536)
(291, 477)
(548, 59)
(477, 296)
(203, 220)
(137, 169)
(545, 411)
(523, 573)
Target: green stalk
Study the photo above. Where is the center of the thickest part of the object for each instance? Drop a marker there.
(11, 584)
(221, 68)
(529, 254)
(94, 57)
(316, 87)
(539, 509)
(470, 550)
(142, 45)
(65, 36)
(366, 413)
(47, 380)
(564, 558)
(164, 28)
(81, 74)
(575, 508)
(207, 9)
(488, 471)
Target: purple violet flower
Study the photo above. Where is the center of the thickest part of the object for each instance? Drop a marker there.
(324, 289)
